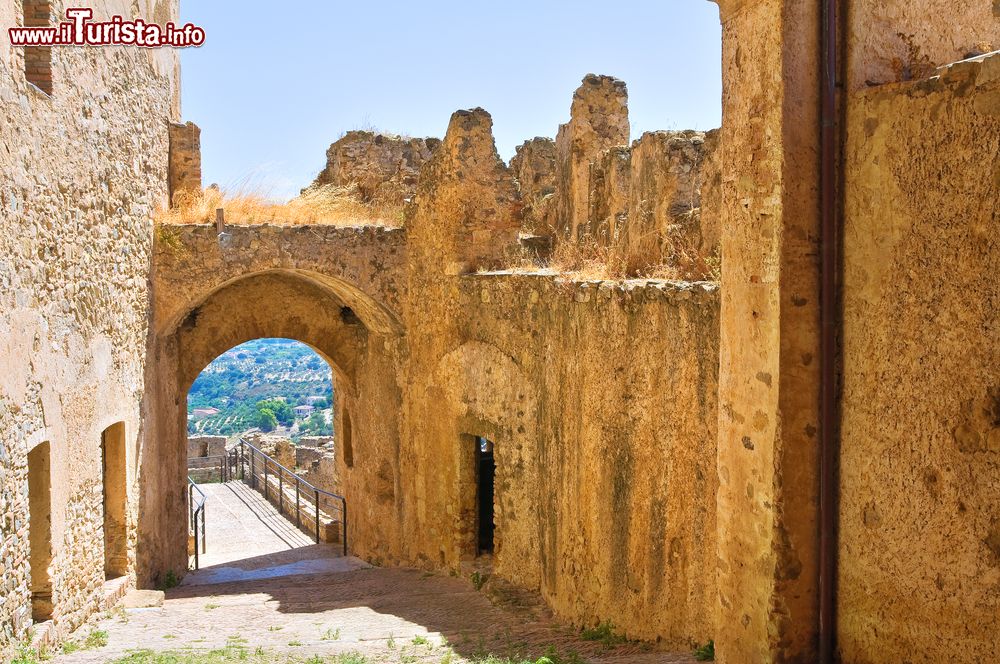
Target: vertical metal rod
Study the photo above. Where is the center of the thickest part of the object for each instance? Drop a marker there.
(204, 533)
(298, 517)
(281, 491)
(317, 515)
(196, 542)
(265, 478)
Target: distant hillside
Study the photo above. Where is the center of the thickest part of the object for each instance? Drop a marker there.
(259, 385)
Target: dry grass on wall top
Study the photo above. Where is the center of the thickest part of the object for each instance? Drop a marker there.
(647, 257)
(326, 204)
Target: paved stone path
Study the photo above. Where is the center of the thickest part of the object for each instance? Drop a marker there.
(288, 596)
(249, 539)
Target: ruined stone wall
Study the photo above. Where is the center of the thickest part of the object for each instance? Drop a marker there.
(185, 160)
(601, 401)
(919, 533)
(534, 168)
(385, 168)
(598, 121)
(84, 167)
(664, 196)
(641, 200)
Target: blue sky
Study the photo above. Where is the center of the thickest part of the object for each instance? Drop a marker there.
(272, 87)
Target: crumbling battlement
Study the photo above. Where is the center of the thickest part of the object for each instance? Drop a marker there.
(185, 159)
(384, 167)
(589, 185)
(534, 169)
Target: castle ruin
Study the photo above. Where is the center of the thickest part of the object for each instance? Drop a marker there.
(661, 444)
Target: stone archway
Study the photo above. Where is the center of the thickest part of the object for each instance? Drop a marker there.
(355, 334)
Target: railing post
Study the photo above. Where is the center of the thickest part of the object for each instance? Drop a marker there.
(265, 478)
(281, 491)
(298, 518)
(196, 542)
(204, 533)
(317, 514)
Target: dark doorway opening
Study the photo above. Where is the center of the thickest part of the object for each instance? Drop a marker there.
(486, 472)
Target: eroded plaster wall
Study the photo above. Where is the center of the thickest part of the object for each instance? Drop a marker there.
(920, 467)
(896, 40)
(83, 170)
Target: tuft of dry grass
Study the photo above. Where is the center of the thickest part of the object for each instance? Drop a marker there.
(326, 204)
(649, 256)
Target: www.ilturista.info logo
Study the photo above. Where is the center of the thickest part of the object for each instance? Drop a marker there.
(79, 30)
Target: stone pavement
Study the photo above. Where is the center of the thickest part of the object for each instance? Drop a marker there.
(288, 596)
(249, 539)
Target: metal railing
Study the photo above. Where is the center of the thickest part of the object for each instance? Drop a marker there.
(310, 502)
(196, 512)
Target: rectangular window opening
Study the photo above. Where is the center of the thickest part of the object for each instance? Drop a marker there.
(40, 531)
(115, 497)
(38, 59)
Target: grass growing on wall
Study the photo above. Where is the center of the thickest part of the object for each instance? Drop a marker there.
(247, 204)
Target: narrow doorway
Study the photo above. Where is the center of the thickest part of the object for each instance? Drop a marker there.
(114, 467)
(485, 474)
(40, 530)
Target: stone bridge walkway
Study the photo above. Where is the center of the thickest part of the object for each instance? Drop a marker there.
(266, 593)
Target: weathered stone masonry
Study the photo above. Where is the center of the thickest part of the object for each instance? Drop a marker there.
(84, 165)
(656, 441)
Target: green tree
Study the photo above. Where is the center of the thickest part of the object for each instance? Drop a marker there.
(282, 412)
(316, 424)
(265, 420)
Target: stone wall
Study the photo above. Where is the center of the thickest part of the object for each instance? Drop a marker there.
(598, 122)
(586, 186)
(642, 200)
(534, 169)
(84, 168)
(604, 435)
(768, 378)
(185, 160)
(206, 446)
(601, 401)
(919, 529)
(385, 168)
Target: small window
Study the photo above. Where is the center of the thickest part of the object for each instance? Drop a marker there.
(40, 531)
(115, 501)
(38, 59)
(345, 440)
